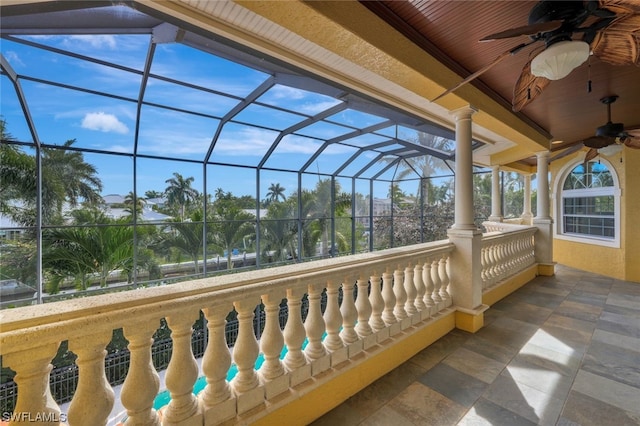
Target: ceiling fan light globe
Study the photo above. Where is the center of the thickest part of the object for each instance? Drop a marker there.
(559, 59)
(610, 150)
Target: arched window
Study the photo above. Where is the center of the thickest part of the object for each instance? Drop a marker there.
(589, 205)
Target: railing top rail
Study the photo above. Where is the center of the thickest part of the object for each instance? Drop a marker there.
(525, 231)
(115, 309)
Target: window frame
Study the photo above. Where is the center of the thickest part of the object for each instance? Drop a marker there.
(561, 194)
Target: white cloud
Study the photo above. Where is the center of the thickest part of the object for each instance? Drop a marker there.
(104, 123)
(13, 58)
(100, 41)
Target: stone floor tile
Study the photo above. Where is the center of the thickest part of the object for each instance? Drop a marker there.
(548, 381)
(455, 385)
(566, 364)
(588, 298)
(493, 350)
(385, 389)
(475, 364)
(385, 416)
(583, 410)
(615, 339)
(341, 415)
(625, 300)
(530, 403)
(581, 311)
(608, 391)
(485, 412)
(553, 339)
(571, 323)
(619, 323)
(425, 406)
(613, 362)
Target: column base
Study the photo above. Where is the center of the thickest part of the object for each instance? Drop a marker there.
(547, 269)
(470, 320)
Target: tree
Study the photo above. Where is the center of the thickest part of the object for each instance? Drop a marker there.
(80, 251)
(180, 193)
(231, 226)
(279, 231)
(134, 204)
(67, 178)
(153, 194)
(187, 238)
(275, 193)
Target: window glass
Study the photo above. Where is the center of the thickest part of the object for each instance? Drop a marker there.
(588, 202)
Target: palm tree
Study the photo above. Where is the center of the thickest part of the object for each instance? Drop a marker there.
(188, 238)
(232, 225)
(279, 232)
(67, 178)
(179, 192)
(275, 193)
(79, 251)
(131, 201)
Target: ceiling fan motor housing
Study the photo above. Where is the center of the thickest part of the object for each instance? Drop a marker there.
(547, 10)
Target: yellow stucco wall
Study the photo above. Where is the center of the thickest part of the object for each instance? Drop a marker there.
(620, 262)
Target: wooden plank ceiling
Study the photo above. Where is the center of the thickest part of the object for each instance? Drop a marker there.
(451, 30)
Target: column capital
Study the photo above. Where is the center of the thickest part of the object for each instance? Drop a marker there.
(464, 113)
(542, 154)
(495, 168)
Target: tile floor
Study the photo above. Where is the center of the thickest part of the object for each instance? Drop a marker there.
(563, 350)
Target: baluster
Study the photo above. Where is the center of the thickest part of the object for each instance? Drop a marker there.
(349, 313)
(333, 317)
(217, 359)
(32, 367)
(314, 324)
(435, 276)
(246, 350)
(93, 399)
(400, 294)
(272, 340)
(410, 289)
(377, 304)
(494, 262)
(428, 284)
(420, 288)
(444, 281)
(363, 306)
(389, 298)
(142, 383)
(484, 262)
(294, 333)
(182, 371)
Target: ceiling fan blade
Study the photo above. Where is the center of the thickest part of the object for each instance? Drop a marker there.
(541, 27)
(484, 69)
(632, 143)
(618, 44)
(597, 142)
(571, 148)
(620, 6)
(527, 88)
(591, 154)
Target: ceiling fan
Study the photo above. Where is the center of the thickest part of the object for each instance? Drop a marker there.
(610, 30)
(608, 135)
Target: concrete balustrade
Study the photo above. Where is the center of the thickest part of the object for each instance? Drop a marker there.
(508, 250)
(383, 295)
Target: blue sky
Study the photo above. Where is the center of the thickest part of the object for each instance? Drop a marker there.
(109, 123)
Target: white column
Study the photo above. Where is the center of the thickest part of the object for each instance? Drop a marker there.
(466, 262)
(496, 199)
(464, 170)
(542, 177)
(526, 210)
(543, 221)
